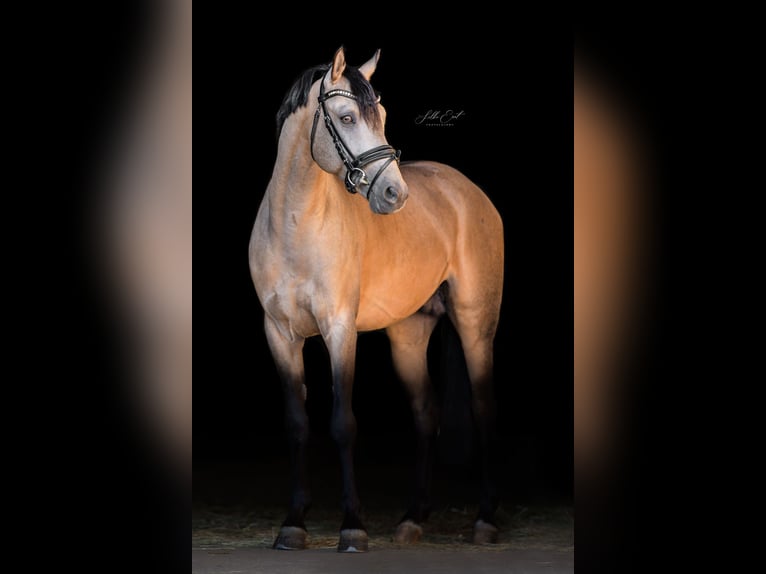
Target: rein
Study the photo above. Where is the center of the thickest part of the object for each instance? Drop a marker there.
(355, 174)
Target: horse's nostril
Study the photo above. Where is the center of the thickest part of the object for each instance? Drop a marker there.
(391, 194)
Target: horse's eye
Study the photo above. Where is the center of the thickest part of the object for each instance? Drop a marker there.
(347, 119)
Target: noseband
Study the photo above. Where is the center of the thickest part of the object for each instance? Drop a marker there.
(355, 174)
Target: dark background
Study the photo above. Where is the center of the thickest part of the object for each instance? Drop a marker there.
(515, 142)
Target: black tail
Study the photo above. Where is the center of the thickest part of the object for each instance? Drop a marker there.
(456, 422)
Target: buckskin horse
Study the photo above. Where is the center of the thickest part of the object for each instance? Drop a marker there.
(348, 240)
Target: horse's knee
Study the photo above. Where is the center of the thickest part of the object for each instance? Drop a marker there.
(343, 428)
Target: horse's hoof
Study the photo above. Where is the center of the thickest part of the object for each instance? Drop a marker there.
(408, 532)
(291, 538)
(484, 533)
(352, 540)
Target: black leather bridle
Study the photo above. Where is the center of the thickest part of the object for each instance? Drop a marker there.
(355, 174)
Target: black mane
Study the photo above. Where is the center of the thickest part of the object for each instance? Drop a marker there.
(297, 95)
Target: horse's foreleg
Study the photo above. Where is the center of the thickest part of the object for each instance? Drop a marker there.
(340, 338)
(288, 356)
(409, 347)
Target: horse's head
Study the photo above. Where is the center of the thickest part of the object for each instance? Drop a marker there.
(347, 135)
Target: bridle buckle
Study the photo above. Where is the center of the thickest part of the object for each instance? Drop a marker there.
(354, 177)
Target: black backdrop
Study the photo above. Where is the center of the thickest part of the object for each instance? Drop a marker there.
(514, 141)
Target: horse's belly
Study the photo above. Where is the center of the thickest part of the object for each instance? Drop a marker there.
(379, 309)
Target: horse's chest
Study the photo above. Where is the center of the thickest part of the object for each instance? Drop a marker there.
(289, 301)
(304, 279)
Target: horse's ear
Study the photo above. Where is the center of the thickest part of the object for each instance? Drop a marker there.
(338, 65)
(368, 68)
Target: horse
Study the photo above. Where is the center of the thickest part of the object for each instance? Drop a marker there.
(348, 240)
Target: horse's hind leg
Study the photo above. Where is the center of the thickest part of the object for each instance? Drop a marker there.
(475, 319)
(288, 356)
(409, 346)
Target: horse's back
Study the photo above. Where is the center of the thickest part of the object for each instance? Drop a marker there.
(445, 190)
(444, 180)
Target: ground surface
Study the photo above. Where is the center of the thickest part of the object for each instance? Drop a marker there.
(237, 514)
(421, 560)
(540, 528)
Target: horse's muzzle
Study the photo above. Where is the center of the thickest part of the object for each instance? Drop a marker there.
(389, 198)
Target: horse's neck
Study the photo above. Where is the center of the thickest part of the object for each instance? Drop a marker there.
(299, 191)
